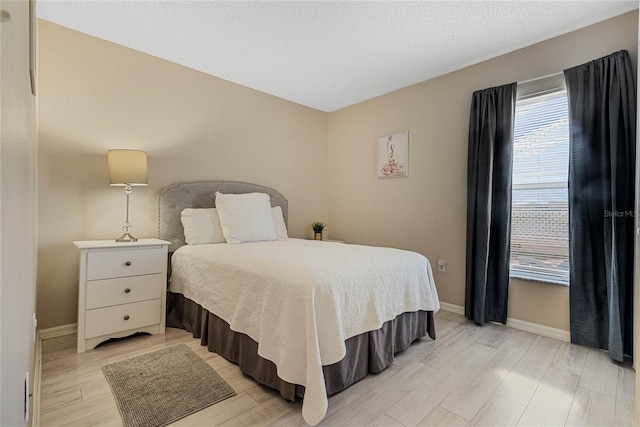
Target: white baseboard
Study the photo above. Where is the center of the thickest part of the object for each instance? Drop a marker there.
(545, 331)
(45, 334)
(452, 308)
(58, 331)
(37, 382)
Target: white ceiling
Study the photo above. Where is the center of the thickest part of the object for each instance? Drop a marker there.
(327, 54)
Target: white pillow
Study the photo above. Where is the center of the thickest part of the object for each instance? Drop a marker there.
(201, 226)
(245, 217)
(278, 223)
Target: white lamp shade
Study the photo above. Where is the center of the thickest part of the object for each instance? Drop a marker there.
(127, 167)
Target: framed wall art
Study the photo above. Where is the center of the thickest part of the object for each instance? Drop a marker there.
(393, 155)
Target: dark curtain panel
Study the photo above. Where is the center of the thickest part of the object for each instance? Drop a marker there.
(489, 203)
(602, 112)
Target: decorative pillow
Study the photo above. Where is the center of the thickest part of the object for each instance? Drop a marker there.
(245, 217)
(278, 223)
(201, 226)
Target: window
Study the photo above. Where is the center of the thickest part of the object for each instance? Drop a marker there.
(540, 211)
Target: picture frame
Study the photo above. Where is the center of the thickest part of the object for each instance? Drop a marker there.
(393, 155)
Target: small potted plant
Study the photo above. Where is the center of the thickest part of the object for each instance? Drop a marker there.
(317, 228)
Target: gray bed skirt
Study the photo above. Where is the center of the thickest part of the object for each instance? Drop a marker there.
(369, 352)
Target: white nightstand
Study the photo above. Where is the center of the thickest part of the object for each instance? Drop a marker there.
(122, 289)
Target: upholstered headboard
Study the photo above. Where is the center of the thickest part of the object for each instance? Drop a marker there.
(201, 194)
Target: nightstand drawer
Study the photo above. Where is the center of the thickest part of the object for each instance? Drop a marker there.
(106, 264)
(124, 290)
(103, 321)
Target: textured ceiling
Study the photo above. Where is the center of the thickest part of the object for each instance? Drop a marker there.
(325, 54)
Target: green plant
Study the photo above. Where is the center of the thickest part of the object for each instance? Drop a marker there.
(317, 226)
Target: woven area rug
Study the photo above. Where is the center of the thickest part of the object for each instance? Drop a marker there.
(158, 388)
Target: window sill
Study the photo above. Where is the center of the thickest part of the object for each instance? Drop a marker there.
(538, 280)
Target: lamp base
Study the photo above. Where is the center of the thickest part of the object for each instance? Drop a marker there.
(126, 237)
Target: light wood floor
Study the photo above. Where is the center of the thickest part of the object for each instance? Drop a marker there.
(490, 375)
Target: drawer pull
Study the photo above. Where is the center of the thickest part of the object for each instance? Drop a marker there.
(126, 317)
(128, 263)
(126, 291)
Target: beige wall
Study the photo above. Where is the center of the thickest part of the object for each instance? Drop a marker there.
(426, 212)
(95, 95)
(17, 213)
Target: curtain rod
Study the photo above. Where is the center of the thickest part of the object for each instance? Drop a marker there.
(541, 78)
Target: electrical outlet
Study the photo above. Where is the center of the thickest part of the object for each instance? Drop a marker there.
(442, 265)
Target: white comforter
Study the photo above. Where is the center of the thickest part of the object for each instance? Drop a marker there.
(301, 299)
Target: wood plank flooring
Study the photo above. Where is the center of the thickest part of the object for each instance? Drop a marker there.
(469, 376)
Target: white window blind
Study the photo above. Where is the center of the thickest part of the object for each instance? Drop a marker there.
(540, 214)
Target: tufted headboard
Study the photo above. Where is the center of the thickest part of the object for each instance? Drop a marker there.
(201, 194)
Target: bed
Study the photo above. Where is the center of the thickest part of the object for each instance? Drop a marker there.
(306, 318)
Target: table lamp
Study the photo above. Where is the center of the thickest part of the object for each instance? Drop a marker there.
(127, 168)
